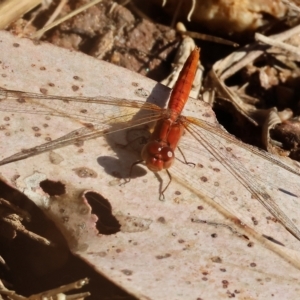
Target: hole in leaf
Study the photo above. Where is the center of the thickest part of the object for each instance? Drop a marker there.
(53, 188)
(107, 223)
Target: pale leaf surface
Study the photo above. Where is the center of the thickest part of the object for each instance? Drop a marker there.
(159, 252)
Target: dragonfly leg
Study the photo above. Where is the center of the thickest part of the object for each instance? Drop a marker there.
(162, 196)
(130, 173)
(191, 164)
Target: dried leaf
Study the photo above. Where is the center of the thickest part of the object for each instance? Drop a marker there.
(208, 239)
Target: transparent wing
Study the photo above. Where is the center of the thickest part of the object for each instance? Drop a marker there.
(205, 133)
(88, 111)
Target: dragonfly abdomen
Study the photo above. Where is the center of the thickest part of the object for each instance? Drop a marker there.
(182, 87)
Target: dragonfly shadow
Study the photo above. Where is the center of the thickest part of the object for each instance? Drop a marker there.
(128, 140)
(113, 166)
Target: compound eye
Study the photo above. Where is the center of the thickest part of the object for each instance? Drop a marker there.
(167, 154)
(157, 156)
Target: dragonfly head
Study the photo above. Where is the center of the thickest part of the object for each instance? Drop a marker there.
(157, 156)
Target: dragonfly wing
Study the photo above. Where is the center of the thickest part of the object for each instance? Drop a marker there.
(80, 109)
(105, 115)
(217, 130)
(81, 134)
(208, 140)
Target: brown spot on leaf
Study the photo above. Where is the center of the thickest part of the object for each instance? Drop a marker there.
(216, 259)
(126, 272)
(16, 45)
(21, 100)
(43, 91)
(163, 256)
(254, 220)
(141, 92)
(75, 88)
(161, 220)
(79, 143)
(203, 179)
(55, 158)
(85, 172)
(77, 78)
(206, 115)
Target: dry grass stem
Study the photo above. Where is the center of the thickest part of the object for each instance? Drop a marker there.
(271, 42)
(55, 14)
(67, 17)
(254, 51)
(12, 10)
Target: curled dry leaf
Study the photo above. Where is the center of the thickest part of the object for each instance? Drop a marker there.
(265, 86)
(183, 52)
(208, 239)
(272, 119)
(228, 94)
(227, 16)
(57, 293)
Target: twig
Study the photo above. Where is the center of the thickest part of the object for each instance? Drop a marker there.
(14, 221)
(255, 50)
(57, 293)
(70, 15)
(53, 16)
(24, 214)
(271, 42)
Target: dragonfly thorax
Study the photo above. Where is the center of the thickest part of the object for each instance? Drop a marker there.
(157, 156)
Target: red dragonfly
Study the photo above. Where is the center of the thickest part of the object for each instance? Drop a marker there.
(158, 154)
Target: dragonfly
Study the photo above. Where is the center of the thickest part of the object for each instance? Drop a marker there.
(158, 153)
